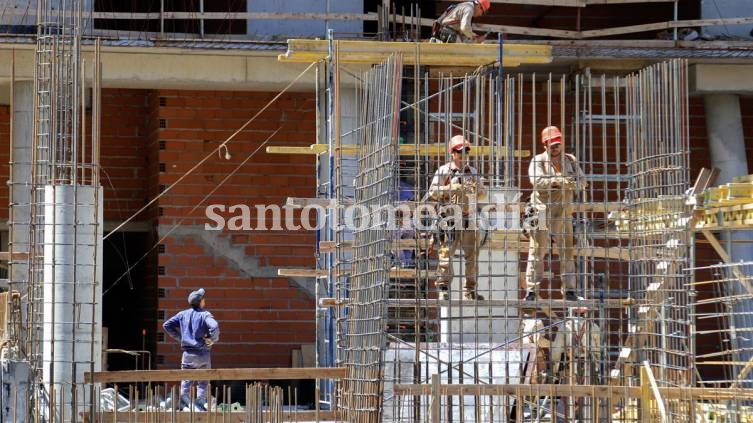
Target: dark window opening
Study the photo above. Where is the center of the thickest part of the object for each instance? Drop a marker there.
(129, 302)
(191, 26)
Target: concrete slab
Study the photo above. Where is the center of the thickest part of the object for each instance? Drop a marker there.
(720, 79)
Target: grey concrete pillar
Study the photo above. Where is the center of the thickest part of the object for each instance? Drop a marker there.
(725, 131)
(727, 147)
(20, 213)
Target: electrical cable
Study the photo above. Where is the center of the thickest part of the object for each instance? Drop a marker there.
(213, 152)
(177, 224)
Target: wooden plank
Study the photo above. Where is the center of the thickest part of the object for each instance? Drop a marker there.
(223, 16)
(615, 253)
(302, 273)
(277, 149)
(372, 52)
(657, 26)
(615, 392)
(215, 374)
(601, 207)
(16, 256)
(546, 305)
(313, 202)
(269, 15)
(395, 273)
(437, 150)
(523, 30)
(208, 417)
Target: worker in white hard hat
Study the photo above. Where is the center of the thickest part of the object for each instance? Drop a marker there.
(557, 179)
(457, 187)
(454, 25)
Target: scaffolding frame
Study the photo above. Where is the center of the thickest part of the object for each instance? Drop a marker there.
(631, 231)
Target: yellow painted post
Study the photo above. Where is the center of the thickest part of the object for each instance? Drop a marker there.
(645, 407)
(436, 399)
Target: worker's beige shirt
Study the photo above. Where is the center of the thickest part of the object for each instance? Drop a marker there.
(466, 176)
(460, 18)
(543, 174)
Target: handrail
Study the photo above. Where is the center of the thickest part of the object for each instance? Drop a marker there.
(134, 376)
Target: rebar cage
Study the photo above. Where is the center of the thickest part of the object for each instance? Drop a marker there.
(629, 236)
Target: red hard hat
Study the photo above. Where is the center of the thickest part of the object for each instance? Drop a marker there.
(485, 5)
(550, 133)
(458, 142)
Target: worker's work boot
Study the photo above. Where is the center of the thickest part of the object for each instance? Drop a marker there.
(571, 296)
(470, 291)
(473, 295)
(444, 291)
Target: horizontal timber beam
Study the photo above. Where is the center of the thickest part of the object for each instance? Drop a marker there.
(372, 52)
(595, 391)
(209, 417)
(216, 374)
(543, 304)
(8, 256)
(598, 207)
(506, 244)
(437, 150)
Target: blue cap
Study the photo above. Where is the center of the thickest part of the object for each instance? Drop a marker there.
(195, 297)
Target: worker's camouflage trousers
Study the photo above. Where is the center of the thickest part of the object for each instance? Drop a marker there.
(558, 228)
(466, 239)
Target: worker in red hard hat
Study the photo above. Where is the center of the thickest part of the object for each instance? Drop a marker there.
(457, 186)
(556, 179)
(454, 25)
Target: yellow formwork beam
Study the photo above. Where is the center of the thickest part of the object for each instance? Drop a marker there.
(437, 150)
(423, 53)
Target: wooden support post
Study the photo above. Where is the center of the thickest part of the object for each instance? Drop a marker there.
(436, 399)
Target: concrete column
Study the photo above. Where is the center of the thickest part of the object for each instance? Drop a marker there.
(727, 147)
(20, 213)
(725, 131)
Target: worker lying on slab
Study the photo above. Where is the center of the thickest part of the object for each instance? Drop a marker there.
(556, 179)
(454, 25)
(457, 186)
(196, 330)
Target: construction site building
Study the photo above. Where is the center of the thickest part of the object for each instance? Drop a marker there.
(281, 155)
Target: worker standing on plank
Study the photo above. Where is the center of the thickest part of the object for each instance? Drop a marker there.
(454, 25)
(457, 187)
(196, 330)
(556, 179)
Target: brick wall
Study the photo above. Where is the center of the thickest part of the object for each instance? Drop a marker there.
(123, 152)
(262, 317)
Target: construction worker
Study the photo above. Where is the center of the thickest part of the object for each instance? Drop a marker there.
(456, 186)
(556, 179)
(196, 330)
(454, 25)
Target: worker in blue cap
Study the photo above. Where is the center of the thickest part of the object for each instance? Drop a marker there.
(197, 331)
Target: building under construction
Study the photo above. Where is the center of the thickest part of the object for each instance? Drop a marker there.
(284, 157)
